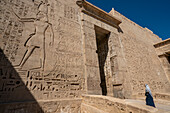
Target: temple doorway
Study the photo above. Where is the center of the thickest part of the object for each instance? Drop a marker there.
(102, 37)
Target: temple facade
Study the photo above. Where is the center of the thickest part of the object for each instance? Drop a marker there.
(54, 54)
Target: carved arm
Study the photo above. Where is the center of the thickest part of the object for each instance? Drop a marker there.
(23, 19)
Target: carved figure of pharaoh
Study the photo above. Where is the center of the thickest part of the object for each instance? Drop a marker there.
(36, 40)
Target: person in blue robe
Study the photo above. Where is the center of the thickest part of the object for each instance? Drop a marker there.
(149, 97)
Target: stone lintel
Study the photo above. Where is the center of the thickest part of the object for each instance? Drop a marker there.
(164, 54)
(162, 43)
(98, 13)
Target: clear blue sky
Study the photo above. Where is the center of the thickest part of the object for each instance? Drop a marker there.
(153, 14)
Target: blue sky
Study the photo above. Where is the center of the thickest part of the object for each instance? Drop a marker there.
(153, 14)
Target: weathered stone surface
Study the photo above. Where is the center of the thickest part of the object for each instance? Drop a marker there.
(105, 104)
(53, 51)
(36, 41)
(50, 106)
(142, 62)
(163, 51)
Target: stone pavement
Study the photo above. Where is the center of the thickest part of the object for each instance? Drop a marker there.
(161, 105)
(106, 104)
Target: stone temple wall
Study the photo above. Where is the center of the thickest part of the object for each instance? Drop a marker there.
(53, 51)
(40, 51)
(143, 64)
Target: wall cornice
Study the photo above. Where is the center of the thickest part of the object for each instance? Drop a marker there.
(97, 13)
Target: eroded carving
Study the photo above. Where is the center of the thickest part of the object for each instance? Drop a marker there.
(36, 40)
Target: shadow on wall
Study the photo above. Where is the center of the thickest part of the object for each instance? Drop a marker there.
(102, 37)
(15, 97)
(120, 30)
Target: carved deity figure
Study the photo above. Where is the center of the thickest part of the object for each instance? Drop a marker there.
(36, 40)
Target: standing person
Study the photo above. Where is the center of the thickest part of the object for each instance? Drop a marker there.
(149, 98)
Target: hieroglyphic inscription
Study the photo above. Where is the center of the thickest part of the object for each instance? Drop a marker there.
(64, 106)
(54, 85)
(11, 39)
(9, 78)
(22, 8)
(65, 77)
(68, 60)
(138, 85)
(69, 41)
(114, 69)
(70, 13)
(10, 28)
(65, 80)
(57, 8)
(10, 82)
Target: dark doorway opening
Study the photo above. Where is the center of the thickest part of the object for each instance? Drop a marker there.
(168, 58)
(102, 37)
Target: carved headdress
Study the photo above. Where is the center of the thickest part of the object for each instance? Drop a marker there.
(42, 13)
(43, 7)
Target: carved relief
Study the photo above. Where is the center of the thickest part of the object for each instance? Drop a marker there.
(11, 37)
(114, 69)
(28, 39)
(138, 85)
(141, 61)
(70, 13)
(66, 34)
(36, 40)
